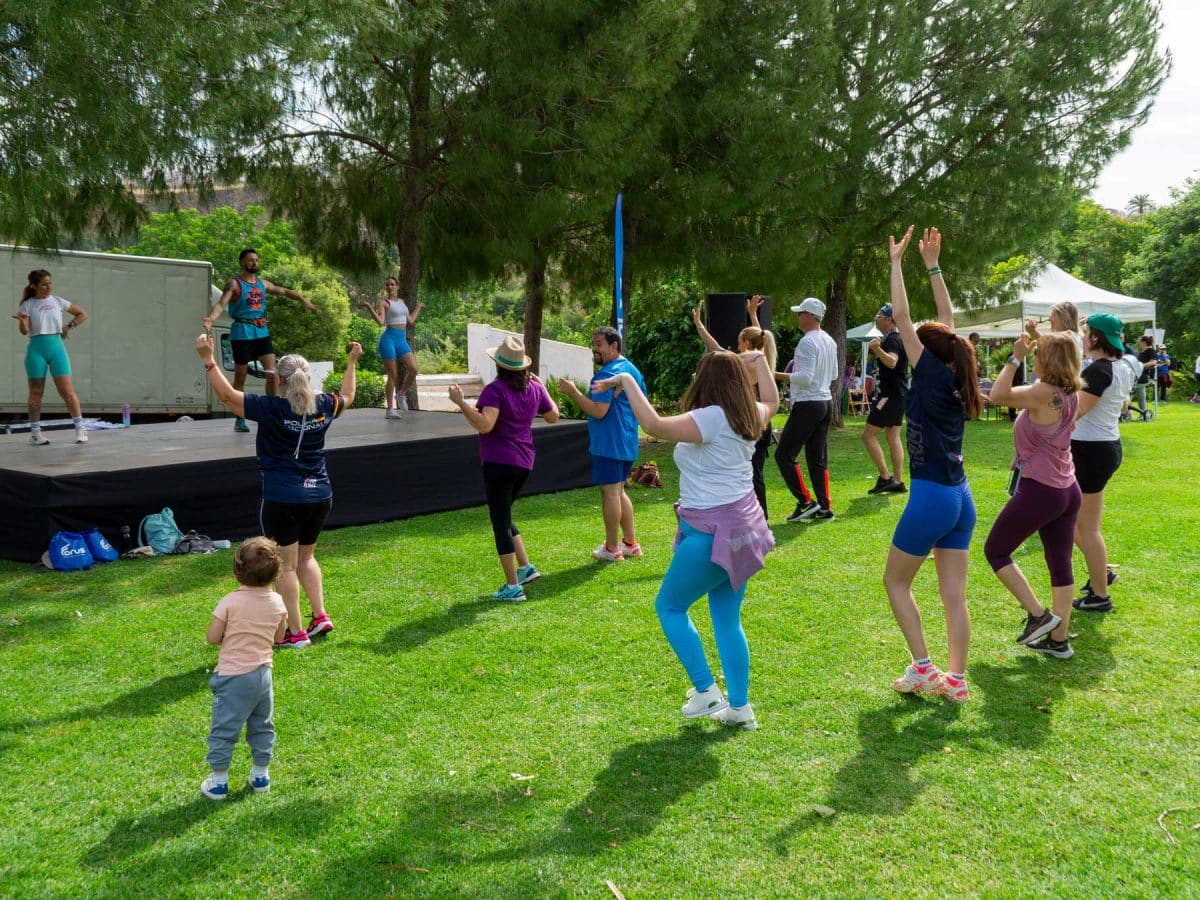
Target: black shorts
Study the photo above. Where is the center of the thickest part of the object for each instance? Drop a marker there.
(246, 352)
(293, 523)
(891, 416)
(1095, 463)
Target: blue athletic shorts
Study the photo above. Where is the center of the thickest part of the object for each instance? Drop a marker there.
(47, 351)
(937, 515)
(393, 344)
(606, 470)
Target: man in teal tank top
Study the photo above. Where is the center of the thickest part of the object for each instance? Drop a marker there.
(249, 338)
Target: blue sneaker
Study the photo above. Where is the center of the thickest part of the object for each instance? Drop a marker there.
(260, 783)
(240, 426)
(514, 592)
(528, 573)
(213, 791)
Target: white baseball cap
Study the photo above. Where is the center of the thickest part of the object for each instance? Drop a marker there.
(811, 305)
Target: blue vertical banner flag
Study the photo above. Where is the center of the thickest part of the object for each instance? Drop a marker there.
(618, 266)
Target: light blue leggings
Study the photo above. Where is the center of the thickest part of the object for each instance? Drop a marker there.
(691, 575)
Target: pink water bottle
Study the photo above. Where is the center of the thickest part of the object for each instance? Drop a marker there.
(125, 416)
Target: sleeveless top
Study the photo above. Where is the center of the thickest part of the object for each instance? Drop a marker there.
(396, 313)
(247, 310)
(1044, 451)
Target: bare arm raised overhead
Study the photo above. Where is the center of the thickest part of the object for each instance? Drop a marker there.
(900, 311)
(930, 247)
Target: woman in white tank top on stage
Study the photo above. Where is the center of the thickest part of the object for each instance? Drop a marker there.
(393, 314)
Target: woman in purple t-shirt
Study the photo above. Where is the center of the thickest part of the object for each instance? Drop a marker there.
(503, 415)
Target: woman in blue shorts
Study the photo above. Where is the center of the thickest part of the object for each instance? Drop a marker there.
(393, 314)
(40, 316)
(940, 515)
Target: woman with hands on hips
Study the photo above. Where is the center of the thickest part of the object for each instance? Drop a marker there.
(393, 315)
(723, 535)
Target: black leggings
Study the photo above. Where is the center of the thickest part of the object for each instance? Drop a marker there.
(501, 485)
(761, 447)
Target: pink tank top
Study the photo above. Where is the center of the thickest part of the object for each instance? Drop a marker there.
(1044, 451)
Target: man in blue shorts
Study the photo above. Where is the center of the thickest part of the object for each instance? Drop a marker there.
(246, 296)
(613, 434)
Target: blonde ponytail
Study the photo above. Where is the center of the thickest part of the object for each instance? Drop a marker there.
(292, 372)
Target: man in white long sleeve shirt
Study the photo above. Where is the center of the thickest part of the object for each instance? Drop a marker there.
(813, 372)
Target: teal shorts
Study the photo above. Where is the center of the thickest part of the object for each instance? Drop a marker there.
(47, 351)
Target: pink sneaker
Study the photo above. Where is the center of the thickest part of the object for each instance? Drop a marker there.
(631, 549)
(319, 625)
(605, 555)
(294, 641)
(954, 689)
(918, 681)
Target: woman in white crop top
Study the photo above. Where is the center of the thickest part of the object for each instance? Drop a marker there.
(393, 314)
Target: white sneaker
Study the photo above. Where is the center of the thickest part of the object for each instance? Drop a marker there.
(605, 555)
(38, 439)
(703, 703)
(737, 717)
(81, 434)
(402, 403)
(392, 414)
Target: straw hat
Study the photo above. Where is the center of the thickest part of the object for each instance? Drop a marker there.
(511, 354)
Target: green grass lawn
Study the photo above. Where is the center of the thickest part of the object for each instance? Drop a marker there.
(439, 743)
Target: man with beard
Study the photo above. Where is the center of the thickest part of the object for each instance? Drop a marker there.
(613, 438)
(246, 296)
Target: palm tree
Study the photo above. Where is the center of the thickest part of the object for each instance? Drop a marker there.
(1139, 205)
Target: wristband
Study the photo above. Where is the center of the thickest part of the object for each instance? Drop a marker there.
(936, 270)
(209, 366)
(1013, 361)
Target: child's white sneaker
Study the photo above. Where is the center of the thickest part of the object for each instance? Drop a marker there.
(737, 717)
(260, 782)
(703, 703)
(213, 791)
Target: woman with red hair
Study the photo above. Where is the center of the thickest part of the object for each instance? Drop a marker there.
(940, 515)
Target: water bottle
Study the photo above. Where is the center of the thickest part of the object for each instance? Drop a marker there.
(125, 416)
(126, 539)
(221, 545)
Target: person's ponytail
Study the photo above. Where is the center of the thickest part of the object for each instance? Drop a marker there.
(292, 371)
(966, 377)
(35, 278)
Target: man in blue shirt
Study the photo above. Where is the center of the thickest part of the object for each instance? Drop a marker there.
(246, 296)
(613, 441)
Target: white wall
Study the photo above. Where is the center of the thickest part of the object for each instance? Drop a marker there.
(558, 359)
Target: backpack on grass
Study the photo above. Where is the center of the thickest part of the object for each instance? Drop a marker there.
(159, 531)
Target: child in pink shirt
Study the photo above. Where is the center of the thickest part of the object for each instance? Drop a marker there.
(246, 623)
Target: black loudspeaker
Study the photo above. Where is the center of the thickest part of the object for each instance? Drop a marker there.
(725, 317)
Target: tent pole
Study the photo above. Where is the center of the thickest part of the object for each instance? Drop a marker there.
(1154, 380)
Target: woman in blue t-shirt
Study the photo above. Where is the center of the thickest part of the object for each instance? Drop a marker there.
(940, 515)
(297, 494)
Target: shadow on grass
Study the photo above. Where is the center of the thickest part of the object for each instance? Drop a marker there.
(879, 781)
(629, 797)
(873, 503)
(143, 701)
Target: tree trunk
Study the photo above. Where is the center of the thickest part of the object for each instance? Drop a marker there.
(834, 323)
(535, 299)
(412, 205)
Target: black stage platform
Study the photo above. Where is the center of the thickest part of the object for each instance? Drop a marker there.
(381, 470)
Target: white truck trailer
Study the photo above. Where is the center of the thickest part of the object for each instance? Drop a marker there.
(137, 345)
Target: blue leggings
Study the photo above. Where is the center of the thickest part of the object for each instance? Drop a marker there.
(691, 575)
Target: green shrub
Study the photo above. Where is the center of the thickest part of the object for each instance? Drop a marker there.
(440, 354)
(661, 339)
(369, 388)
(318, 335)
(567, 407)
(366, 332)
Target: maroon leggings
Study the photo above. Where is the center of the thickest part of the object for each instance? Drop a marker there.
(1051, 513)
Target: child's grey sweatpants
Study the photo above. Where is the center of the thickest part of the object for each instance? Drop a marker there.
(241, 700)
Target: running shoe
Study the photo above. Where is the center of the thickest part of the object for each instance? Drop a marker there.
(804, 511)
(1036, 626)
(297, 641)
(703, 703)
(953, 689)
(896, 486)
(918, 681)
(37, 439)
(259, 783)
(213, 791)
(631, 549)
(605, 555)
(319, 625)
(881, 485)
(81, 434)
(1093, 603)
(1111, 577)
(1051, 647)
(240, 426)
(736, 717)
(823, 515)
(528, 573)
(392, 413)
(510, 592)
